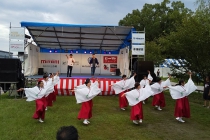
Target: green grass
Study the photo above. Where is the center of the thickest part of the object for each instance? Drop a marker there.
(108, 122)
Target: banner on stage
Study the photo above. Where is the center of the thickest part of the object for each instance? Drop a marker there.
(110, 59)
(138, 49)
(138, 38)
(16, 46)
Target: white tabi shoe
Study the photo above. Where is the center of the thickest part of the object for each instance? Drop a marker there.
(88, 122)
(143, 102)
(135, 122)
(180, 119)
(46, 108)
(40, 120)
(85, 122)
(156, 106)
(159, 108)
(140, 121)
(177, 118)
(122, 108)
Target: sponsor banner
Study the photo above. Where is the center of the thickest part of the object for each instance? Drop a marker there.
(113, 67)
(16, 46)
(110, 59)
(17, 33)
(138, 38)
(138, 49)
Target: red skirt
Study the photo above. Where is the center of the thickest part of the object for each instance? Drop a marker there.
(40, 109)
(86, 110)
(137, 112)
(182, 108)
(50, 99)
(159, 100)
(54, 97)
(123, 102)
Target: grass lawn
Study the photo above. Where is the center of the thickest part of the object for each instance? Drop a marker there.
(108, 122)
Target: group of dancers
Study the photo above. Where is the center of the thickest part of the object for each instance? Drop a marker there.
(129, 92)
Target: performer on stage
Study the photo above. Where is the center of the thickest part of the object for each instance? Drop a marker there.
(53, 80)
(121, 87)
(180, 93)
(71, 62)
(157, 88)
(93, 62)
(84, 94)
(37, 93)
(146, 81)
(135, 98)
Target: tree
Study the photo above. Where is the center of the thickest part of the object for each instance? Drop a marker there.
(191, 42)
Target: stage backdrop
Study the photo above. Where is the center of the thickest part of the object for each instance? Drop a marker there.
(52, 62)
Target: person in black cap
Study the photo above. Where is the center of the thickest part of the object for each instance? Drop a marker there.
(71, 62)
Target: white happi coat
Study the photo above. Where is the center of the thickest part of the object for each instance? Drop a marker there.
(51, 84)
(123, 85)
(36, 93)
(137, 95)
(178, 92)
(158, 88)
(84, 94)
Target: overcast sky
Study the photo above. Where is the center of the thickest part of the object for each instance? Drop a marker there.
(105, 12)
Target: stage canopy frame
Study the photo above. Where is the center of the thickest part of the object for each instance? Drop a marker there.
(73, 38)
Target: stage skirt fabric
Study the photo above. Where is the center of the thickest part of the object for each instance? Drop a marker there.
(86, 110)
(69, 83)
(123, 102)
(159, 100)
(137, 112)
(40, 108)
(182, 108)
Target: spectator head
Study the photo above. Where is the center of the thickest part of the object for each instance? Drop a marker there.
(137, 85)
(124, 77)
(67, 133)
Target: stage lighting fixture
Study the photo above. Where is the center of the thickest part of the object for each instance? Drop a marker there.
(76, 51)
(90, 52)
(50, 51)
(84, 51)
(71, 51)
(109, 52)
(55, 51)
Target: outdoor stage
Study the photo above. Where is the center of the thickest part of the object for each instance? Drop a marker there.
(67, 83)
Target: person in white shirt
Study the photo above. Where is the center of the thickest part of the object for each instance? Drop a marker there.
(71, 62)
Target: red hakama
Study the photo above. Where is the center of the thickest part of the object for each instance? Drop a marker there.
(123, 102)
(54, 97)
(159, 100)
(50, 99)
(40, 109)
(137, 112)
(86, 110)
(182, 108)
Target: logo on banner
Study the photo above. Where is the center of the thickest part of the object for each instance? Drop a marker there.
(50, 61)
(110, 59)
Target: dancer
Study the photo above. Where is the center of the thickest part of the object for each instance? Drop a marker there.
(180, 93)
(53, 80)
(146, 81)
(206, 93)
(121, 87)
(84, 94)
(135, 98)
(37, 93)
(157, 88)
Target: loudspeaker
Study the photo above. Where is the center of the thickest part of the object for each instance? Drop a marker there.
(118, 72)
(142, 69)
(10, 69)
(40, 71)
